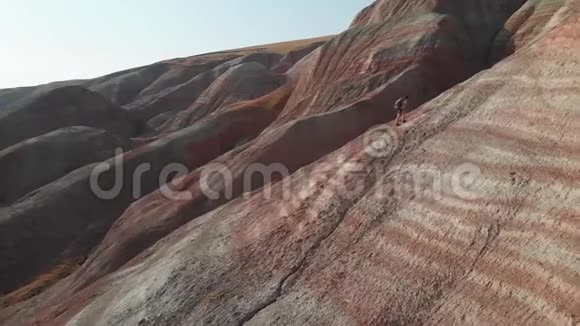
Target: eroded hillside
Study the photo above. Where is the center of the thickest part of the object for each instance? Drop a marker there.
(468, 214)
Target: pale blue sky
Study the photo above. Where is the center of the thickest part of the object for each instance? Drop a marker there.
(48, 40)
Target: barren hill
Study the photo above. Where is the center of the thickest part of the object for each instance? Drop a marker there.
(291, 198)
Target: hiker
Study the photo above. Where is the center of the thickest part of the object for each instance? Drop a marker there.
(400, 106)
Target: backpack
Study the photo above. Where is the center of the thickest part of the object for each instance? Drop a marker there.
(399, 104)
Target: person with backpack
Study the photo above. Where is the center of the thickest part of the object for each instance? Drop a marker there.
(400, 106)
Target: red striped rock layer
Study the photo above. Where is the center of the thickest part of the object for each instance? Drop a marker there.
(315, 136)
(479, 12)
(241, 82)
(528, 24)
(132, 233)
(64, 219)
(436, 43)
(504, 253)
(178, 96)
(58, 229)
(432, 40)
(442, 42)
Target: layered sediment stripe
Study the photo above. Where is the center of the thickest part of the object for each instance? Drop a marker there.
(526, 26)
(363, 59)
(502, 306)
(510, 276)
(517, 289)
